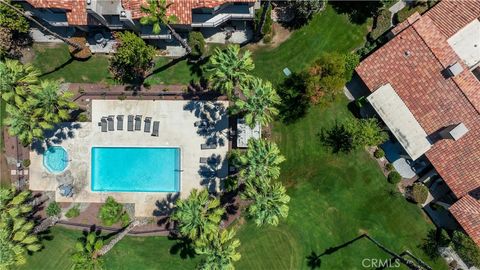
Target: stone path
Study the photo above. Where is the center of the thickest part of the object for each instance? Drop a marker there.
(396, 8)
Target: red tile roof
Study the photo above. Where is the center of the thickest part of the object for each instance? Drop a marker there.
(182, 9)
(467, 212)
(75, 9)
(413, 62)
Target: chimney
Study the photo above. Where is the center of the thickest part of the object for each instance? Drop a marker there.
(455, 69)
(454, 132)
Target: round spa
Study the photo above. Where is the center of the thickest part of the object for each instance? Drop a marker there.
(55, 159)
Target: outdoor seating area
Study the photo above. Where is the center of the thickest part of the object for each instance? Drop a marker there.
(134, 123)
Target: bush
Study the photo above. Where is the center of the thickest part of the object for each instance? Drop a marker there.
(394, 177)
(379, 153)
(82, 117)
(351, 62)
(111, 212)
(304, 11)
(132, 59)
(26, 163)
(197, 42)
(382, 23)
(73, 212)
(466, 248)
(419, 193)
(326, 78)
(267, 29)
(53, 209)
(389, 167)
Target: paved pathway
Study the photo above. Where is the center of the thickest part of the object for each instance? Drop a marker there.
(396, 8)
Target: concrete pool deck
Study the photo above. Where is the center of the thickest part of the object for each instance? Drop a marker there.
(177, 129)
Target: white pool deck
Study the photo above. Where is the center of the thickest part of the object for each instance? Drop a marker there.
(176, 130)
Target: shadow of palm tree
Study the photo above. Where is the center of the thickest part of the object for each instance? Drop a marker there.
(183, 246)
(68, 62)
(314, 261)
(168, 65)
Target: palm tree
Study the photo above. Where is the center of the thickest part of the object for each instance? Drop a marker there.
(75, 45)
(13, 203)
(49, 103)
(15, 80)
(22, 123)
(220, 252)
(156, 15)
(84, 257)
(106, 248)
(198, 216)
(16, 237)
(259, 102)
(270, 202)
(228, 69)
(261, 161)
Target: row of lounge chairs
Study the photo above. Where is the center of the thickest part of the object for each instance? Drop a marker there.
(133, 123)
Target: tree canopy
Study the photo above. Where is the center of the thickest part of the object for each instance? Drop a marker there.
(84, 256)
(220, 252)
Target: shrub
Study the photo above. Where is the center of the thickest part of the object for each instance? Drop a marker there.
(394, 177)
(111, 212)
(326, 78)
(304, 11)
(419, 193)
(382, 23)
(389, 167)
(53, 209)
(125, 219)
(132, 59)
(82, 117)
(26, 163)
(73, 212)
(197, 42)
(267, 29)
(466, 248)
(379, 153)
(351, 62)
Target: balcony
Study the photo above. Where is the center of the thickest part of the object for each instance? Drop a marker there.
(231, 12)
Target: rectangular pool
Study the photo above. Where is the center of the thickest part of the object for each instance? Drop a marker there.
(135, 169)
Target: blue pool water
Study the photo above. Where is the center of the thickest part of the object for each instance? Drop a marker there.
(55, 159)
(135, 169)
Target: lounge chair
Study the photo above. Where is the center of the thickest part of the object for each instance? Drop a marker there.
(111, 123)
(148, 122)
(205, 146)
(130, 123)
(203, 160)
(138, 122)
(156, 126)
(103, 124)
(119, 122)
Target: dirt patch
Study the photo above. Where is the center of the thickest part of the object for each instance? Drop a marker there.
(4, 171)
(280, 36)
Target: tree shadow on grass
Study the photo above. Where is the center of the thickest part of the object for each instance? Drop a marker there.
(166, 66)
(295, 103)
(314, 260)
(65, 64)
(183, 246)
(338, 139)
(357, 11)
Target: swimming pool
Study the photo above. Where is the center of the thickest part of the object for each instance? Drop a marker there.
(55, 159)
(135, 169)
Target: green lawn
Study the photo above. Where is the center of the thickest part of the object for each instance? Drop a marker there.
(325, 33)
(55, 63)
(146, 253)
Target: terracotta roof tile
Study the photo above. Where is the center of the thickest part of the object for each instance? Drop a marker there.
(452, 15)
(75, 9)
(182, 9)
(467, 212)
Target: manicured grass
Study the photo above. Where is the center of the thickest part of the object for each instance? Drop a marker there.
(334, 198)
(55, 63)
(131, 253)
(326, 32)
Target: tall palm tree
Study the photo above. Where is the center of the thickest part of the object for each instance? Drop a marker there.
(156, 15)
(16, 237)
(15, 80)
(106, 248)
(259, 102)
(13, 203)
(220, 252)
(84, 257)
(51, 104)
(22, 123)
(75, 45)
(261, 161)
(197, 216)
(229, 69)
(269, 202)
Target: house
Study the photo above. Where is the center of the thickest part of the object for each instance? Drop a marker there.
(425, 85)
(95, 15)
